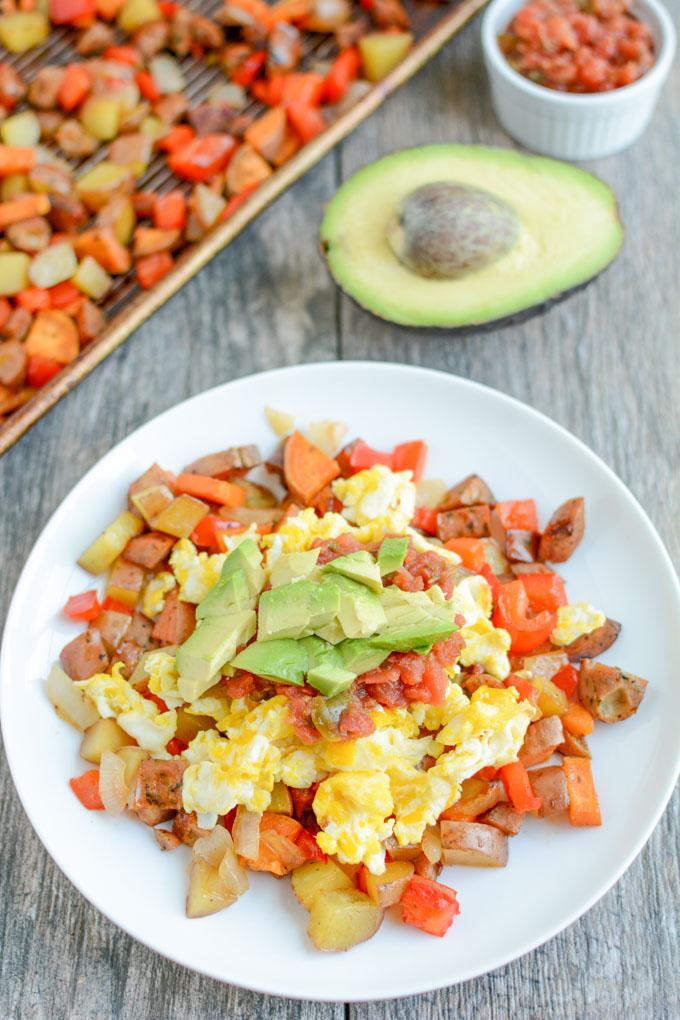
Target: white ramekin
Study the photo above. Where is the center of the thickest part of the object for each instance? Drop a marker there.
(565, 125)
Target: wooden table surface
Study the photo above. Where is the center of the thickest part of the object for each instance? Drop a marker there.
(605, 363)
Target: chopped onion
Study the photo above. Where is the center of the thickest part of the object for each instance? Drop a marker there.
(232, 874)
(246, 833)
(327, 435)
(212, 848)
(327, 15)
(167, 74)
(432, 844)
(70, 702)
(228, 92)
(280, 421)
(283, 849)
(400, 853)
(356, 91)
(112, 787)
(494, 556)
(430, 492)
(545, 666)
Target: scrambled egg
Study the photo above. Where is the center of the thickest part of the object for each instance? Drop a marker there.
(353, 810)
(575, 621)
(419, 799)
(380, 750)
(472, 599)
(297, 533)
(196, 572)
(487, 645)
(377, 501)
(116, 699)
(153, 597)
(421, 544)
(163, 679)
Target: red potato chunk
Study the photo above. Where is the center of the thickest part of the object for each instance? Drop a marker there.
(541, 740)
(505, 818)
(550, 785)
(235, 460)
(473, 844)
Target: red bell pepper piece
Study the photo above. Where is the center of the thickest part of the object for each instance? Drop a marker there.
(203, 157)
(470, 550)
(170, 211)
(40, 370)
(86, 789)
(84, 606)
(519, 514)
(5, 311)
(68, 12)
(176, 746)
(153, 268)
(246, 72)
(342, 73)
(33, 299)
(306, 121)
(429, 905)
(123, 55)
(74, 87)
(515, 779)
(302, 87)
(511, 613)
(114, 606)
(207, 531)
(168, 8)
(306, 842)
(410, 457)
(567, 680)
(545, 591)
(146, 83)
(64, 294)
(176, 138)
(425, 518)
(363, 456)
(150, 696)
(524, 687)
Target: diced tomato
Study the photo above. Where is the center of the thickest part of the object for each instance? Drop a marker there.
(410, 457)
(524, 687)
(515, 779)
(176, 138)
(364, 456)
(168, 8)
(114, 606)
(425, 518)
(170, 211)
(84, 606)
(518, 514)
(40, 370)
(203, 534)
(74, 87)
(567, 680)
(342, 73)
(203, 157)
(246, 72)
(153, 268)
(86, 789)
(495, 585)
(127, 55)
(511, 613)
(146, 83)
(470, 550)
(150, 696)
(306, 121)
(33, 299)
(64, 294)
(545, 591)
(306, 841)
(429, 905)
(176, 746)
(68, 12)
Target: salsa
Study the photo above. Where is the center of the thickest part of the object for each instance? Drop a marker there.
(571, 46)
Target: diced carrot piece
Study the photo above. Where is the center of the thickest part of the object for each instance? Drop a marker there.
(170, 211)
(64, 294)
(584, 808)
(122, 55)
(306, 121)
(74, 87)
(307, 469)
(53, 335)
(15, 159)
(146, 83)
(470, 550)
(153, 268)
(33, 299)
(305, 87)
(24, 207)
(102, 244)
(577, 720)
(211, 489)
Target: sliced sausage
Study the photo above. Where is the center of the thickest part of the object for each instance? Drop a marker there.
(530, 568)
(95, 39)
(466, 522)
(590, 646)
(176, 622)
(563, 532)
(574, 747)
(171, 108)
(13, 361)
(185, 826)
(505, 818)
(43, 90)
(521, 546)
(471, 491)
(550, 785)
(609, 693)
(68, 213)
(205, 33)
(151, 38)
(153, 476)
(74, 140)
(471, 683)
(113, 627)
(85, 655)
(237, 459)
(128, 576)
(212, 118)
(18, 324)
(12, 87)
(90, 320)
(129, 653)
(49, 124)
(140, 630)
(167, 840)
(30, 235)
(159, 784)
(541, 740)
(149, 550)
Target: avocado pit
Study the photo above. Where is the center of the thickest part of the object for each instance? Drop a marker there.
(446, 230)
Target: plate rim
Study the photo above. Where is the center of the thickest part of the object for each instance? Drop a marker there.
(502, 959)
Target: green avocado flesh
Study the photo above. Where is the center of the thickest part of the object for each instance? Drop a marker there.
(569, 231)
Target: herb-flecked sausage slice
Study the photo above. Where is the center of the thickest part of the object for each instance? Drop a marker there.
(608, 693)
(563, 532)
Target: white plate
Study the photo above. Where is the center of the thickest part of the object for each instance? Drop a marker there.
(555, 872)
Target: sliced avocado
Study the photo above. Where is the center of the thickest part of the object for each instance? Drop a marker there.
(293, 567)
(360, 657)
(457, 235)
(230, 592)
(331, 632)
(407, 635)
(391, 555)
(285, 612)
(330, 680)
(247, 556)
(358, 566)
(319, 651)
(283, 660)
(205, 651)
(360, 613)
(324, 604)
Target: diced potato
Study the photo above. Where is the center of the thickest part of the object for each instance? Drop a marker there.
(152, 502)
(91, 279)
(99, 185)
(13, 272)
(181, 517)
(318, 877)
(401, 853)
(70, 702)
(153, 126)
(207, 891)
(110, 544)
(341, 919)
(13, 185)
(125, 583)
(551, 699)
(387, 889)
(119, 214)
(207, 205)
(281, 422)
(135, 13)
(23, 30)
(22, 129)
(474, 845)
(53, 265)
(477, 796)
(133, 758)
(382, 51)
(101, 116)
(189, 725)
(167, 74)
(104, 735)
(281, 802)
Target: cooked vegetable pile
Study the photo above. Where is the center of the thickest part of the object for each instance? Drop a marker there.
(347, 674)
(70, 230)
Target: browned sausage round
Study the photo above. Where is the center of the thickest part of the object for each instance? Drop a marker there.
(564, 531)
(470, 491)
(13, 362)
(590, 646)
(608, 693)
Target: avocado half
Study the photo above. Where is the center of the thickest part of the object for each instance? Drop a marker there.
(568, 231)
